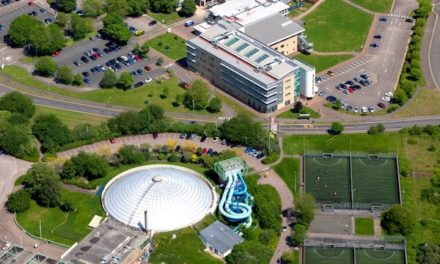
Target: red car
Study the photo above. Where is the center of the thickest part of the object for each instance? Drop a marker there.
(30, 3)
(55, 53)
(147, 68)
(351, 90)
(204, 150)
(137, 58)
(112, 140)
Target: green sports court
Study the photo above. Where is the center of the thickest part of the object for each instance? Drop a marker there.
(322, 255)
(362, 181)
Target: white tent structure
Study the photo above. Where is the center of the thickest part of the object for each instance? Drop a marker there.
(159, 197)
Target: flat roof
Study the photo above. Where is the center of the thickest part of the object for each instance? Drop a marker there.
(257, 60)
(220, 236)
(273, 29)
(245, 12)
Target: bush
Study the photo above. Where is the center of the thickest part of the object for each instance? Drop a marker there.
(298, 235)
(16, 102)
(77, 80)
(412, 141)
(130, 154)
(336, 128)
(64, 75)
(47, 193)
(51, 132)
(376, 129)
(398, 220)
(109, 80)
(173, 157)
(67, 206)
(215, 105)
(90, 166)
(46, 67)
(197, 96)
(392, 108)
(18, 201)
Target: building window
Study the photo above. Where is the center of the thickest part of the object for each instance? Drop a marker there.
(276, 48)
(282, 46)
(287, 94)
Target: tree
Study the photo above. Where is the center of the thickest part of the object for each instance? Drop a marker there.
(126, 123)
(398, 220)
(138, 7)
(17, 140)
(376, 129)
(51, 132)
(305, 209)
(243, 130)
(93, 8)
(267, 207)
(19, 201)
(80, 27)
(109, 80)
(15, 102)
(428, 254)
(179, 99)
(119, 7)
(163, 6)
(57, 40)
(215, 105)
(188, 8)
(42, 182)
(87, 165)
(400, 97)
(125, 81)
(288, 257)
(197, 96)
(249, 252)
(298, 234)
(298, 107)
(336, 128)
(46, 67)
(77, 79)
(130, 154)
(62, 19)
(66, 6)
(152, 119)
(142, 51)
(64, 75)
(115, 29)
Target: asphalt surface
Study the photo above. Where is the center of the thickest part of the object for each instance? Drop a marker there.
(434, 49)
(382, 65)
(74, 53)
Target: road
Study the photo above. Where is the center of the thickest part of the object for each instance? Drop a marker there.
(433, 47)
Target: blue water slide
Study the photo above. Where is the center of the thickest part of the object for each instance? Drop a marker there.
(234, 201)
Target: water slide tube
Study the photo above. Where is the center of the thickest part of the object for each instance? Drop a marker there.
(234, 202)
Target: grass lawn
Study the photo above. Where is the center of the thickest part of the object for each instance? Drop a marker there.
(418, 105)
(70, 118)
(288, 170)
(238, 108)
(170, 45)
(300, 10)
(364, 226)
(382, 6)
(337, 26)
(384, 143)
(165, 18)
(131, 98)
(322, 62)
(306, 110)
(185, 248)
(66, 228)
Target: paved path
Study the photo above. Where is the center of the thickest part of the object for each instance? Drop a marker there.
(359, 7)
(11, 169)
(308, 11)
(430, 51)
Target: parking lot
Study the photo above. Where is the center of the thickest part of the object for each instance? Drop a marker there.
(17, 9)
(381, 65)
(69, 55)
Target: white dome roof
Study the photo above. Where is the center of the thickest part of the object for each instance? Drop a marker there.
(174, 197)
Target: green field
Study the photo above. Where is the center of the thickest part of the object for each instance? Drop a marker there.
(328, 180)
(337, 26)
(383, 143)
(369, 256)
(375, 181)
(322, 62)
(165, 18)
(288, 170)
(382, 6)
(319, 255)
(364, 226)
(170, 45)
(306, 110)
(185, 248)
(70, 118)
(132, 98)
(65, 228)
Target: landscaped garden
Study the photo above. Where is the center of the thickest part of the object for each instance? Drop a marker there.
(170, 45)
(337, 26)
(305, 110)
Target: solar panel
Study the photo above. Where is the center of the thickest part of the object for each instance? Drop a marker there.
(231, 42)
(262, 58)
(241, 47)
(251, 52)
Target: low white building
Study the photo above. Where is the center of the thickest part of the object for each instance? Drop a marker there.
(219, 238)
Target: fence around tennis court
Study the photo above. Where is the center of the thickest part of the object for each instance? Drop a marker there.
(352, 180)
(352, 251)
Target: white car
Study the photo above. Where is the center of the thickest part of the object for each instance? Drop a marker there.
(389, 94)
(215, 139)
(364, 109)
(149, 79)
(386, 99)
(355, 109)
(371, 109)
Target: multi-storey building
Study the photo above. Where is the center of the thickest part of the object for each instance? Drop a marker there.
(247, 69)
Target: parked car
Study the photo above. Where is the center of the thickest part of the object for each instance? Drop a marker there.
(155, 135)
(152, 23)
(374, 45)
(178, 148)
(149, 79)
(87, 81)
(377, 36)
(203, 138)
(209, 152)
(322, 94)
(76, 63)
(383, 19)
(330, 73)
(259, 156)
(189, 23)
(381, 105)
(147, 68)
(193, 137)
(409, 20)
(138, 84)
(112, 140)
(331, 99)
(223, 142)
(182, 136)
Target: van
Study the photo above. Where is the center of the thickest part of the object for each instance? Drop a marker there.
(189, 23)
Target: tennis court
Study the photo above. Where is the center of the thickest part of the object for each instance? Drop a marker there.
(352, 182)
(328, 179)
(321, 255)
(375, 180)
